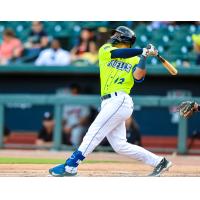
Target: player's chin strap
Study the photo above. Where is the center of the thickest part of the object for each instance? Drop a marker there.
(75, 159)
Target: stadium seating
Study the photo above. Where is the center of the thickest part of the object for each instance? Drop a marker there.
(22, 138)
(173, 41)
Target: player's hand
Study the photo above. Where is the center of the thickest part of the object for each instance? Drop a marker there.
(152, 51)
(145, 52)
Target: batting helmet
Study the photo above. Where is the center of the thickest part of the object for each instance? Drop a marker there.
(123, 34)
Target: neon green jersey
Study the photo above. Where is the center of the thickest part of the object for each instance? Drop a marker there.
(115, 74)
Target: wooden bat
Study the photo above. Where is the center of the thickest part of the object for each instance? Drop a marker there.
(172, 70)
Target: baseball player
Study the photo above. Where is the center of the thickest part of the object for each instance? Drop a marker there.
(188, 108)
(120, 67)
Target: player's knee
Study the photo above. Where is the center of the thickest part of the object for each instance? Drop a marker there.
(119, 148)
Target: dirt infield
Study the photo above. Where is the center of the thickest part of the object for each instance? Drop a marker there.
(102, 164)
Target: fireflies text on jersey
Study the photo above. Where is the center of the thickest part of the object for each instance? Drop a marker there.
(120, 65)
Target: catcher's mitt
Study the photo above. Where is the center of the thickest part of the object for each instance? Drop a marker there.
(186, 109)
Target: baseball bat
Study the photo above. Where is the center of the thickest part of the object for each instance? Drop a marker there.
(172, 70)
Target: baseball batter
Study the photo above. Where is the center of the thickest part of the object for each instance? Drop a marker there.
(120, 67)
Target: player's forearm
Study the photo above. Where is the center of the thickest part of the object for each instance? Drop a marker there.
(139, 74)
(126, 53)
(140, 70)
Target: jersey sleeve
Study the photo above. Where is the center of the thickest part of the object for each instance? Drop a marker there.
(134, 62)
(105, 51)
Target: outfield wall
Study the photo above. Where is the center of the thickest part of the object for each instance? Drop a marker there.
(29, 79)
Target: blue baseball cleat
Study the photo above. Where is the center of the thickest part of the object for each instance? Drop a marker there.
(70, 167)
(59, 171)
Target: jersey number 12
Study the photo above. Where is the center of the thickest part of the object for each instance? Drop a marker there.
(119, 80)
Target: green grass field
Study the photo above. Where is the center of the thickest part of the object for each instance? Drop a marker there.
(8, 160)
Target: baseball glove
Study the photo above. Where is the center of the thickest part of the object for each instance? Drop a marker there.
(186, 109)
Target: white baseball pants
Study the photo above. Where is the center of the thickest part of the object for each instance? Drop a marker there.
(110, 123)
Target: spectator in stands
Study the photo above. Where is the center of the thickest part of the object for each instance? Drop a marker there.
(196, 44)
(76, 118)
(6, 134)
(54, 55)
(133, 132)
(37, 37)
(45, 136)
(11, 47)
(103, 34)
(86, 48)
(37, 41)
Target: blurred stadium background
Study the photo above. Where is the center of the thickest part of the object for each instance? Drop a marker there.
(49, 84)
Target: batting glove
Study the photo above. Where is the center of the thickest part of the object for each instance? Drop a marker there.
(145, 52)
(152, 51)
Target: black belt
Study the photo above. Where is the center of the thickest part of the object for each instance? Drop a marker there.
(107, 96)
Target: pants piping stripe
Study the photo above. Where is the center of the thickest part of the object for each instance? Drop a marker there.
(104, 125)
